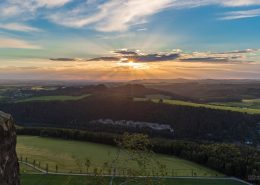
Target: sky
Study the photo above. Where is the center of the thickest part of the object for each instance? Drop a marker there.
(118, 40)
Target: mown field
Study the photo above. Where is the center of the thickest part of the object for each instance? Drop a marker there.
(69, 156)
(211, 106)
(79, 180)
(53, 98)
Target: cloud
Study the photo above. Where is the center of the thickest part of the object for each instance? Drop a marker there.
(241, 14)
(52, 3)
(119, 15)
(105, 59)
(234, 3)
(27, 8)
(176, 55)
(19, 27)
(206, 59)
(63, 59)
(111, 15)
(116, 36)
(227, 56)
(179, 55)
(125, 52)
(239, 51)
(126, 55)
(153, 57)
(142, 29)
(17, 43)
(8, 11)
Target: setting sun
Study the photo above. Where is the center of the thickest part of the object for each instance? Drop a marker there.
(134, 65)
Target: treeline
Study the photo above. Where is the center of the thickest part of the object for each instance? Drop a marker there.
(71, 134)
(233, 160)
(188, 122)
(230, 159)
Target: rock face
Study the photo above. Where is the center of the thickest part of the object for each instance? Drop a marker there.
(9, 167)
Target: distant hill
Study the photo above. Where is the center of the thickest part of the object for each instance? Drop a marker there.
(202, 81)
(208, 90)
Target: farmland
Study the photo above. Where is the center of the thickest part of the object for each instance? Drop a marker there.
(56, 151)
(245, 103)
(226, 106)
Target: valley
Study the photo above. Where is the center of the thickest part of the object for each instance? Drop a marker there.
(61, 127)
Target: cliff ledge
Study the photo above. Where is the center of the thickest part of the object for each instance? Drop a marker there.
(9, 167)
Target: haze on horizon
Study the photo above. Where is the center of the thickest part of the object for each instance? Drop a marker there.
(127, 40)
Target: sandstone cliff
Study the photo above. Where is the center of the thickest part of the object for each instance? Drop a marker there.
(9, 167)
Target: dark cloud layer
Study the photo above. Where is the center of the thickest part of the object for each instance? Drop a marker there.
(153, 57)
(206, 59)
(125, 52)
(105, 59)
(140, 58)
(63, 59)
(134, 56)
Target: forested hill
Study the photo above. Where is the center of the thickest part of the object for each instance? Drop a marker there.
(134, 90)
(187, 122)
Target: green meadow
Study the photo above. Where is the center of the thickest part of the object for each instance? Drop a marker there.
(70, 155)
(24, 169)
(211, 106)
(79, 180)
(53, 98)
(246, 103)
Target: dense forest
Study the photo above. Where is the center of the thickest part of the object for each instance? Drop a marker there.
(187, 122)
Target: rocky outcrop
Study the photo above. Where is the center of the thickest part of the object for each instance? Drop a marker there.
(9, 167)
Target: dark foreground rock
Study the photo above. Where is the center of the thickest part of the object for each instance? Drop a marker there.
(9, 167)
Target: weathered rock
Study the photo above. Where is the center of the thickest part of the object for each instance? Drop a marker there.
(9, 167)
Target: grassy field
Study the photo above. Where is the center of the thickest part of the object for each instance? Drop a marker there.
(53, 98)
(40, 88)
(26, 169)
(72, 180)
(211, 106)
(69, 156)
(246, 103)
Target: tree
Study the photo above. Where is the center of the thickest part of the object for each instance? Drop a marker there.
(136, 149)
(78, 163)
(87, 164)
